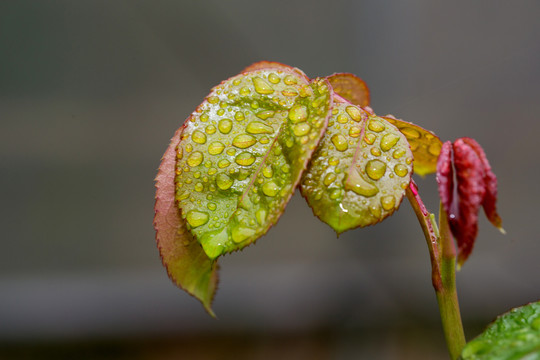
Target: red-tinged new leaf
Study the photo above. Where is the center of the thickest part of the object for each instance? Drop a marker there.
(351, 88)
(183, 257)
(471, 191)
(425, 145)
(445, 179)
(490, 199)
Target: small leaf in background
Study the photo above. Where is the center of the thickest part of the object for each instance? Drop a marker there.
(242, 152)
(425, 145)
(464, 190)
(359, 173)
(183, 257)
(351, 88)
(514, 335)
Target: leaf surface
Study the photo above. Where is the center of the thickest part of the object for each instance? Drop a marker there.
(273, 65)
(351, 88)
(183, 257)
(425, 145)
(514, 335)
(359, 173)
(242, 152)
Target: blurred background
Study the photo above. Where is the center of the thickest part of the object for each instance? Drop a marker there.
(92, 91)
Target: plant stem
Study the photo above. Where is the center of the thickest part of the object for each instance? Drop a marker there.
(442, 253)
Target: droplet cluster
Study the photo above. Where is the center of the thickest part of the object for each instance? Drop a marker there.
(360, 171)
(425, 145)
(241, 153)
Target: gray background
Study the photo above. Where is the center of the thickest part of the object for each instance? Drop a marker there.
(92, 91)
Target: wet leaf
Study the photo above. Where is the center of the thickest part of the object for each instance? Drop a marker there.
(242, 152)
(351, 88)
(273, 65)
(359, 172)
(445, 179)
(183, 257)
(425, 145)
(514, 335)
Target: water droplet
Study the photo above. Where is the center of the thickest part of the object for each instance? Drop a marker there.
(267, 172)
(370, 138)
(375, 125)
(261, 86)
(388, 202)
(375, 169)
(245, 159)
(273, 78)
(434, 148)
(244, 141)
(225, 126)
(260, 215)
(409, 160)
(223, 163)
(359, 185)
(264, 140)
(388, 141)
(220, 112)
(301, 129)
(211, 206)
(329, 178)
(289, 80)
(197, 174)
(285, 168)
(375, 210)
(195, 158)
(212, 171)
(204, 117)
(196, 218)
(354, 131)
(298, 113)
(340, 142)
(216, 148)
(333, 161)
(265, 114)
(189, 148)
(289, 92)
(342, 119)
(335, 194)
(199, 187)
(184, 195)
(258, 127)
(354, 113)
(223, 181)
(410, 133)
(241, 233)
(318, 101)
(375, 151)
(210, 129)
(401, 170)
(213, 99)
(245, 91)
(179, 153)
(270, 188)
(398, 153)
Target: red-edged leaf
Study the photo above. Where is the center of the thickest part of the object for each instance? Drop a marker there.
(183, 257)
(490, 199)
(471, 191)
(351, 88)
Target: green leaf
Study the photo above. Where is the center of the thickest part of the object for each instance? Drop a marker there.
(242, 152)
(351, 88)
(425, 145)
(359, 173)
(183, 257)
(514, 335)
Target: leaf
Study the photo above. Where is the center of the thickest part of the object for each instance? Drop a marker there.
(445, 179)
(351, 88)
(514, 335)
(359, 173)
(242, 152)
(183, 257)
(425, 145)
(490, 180)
